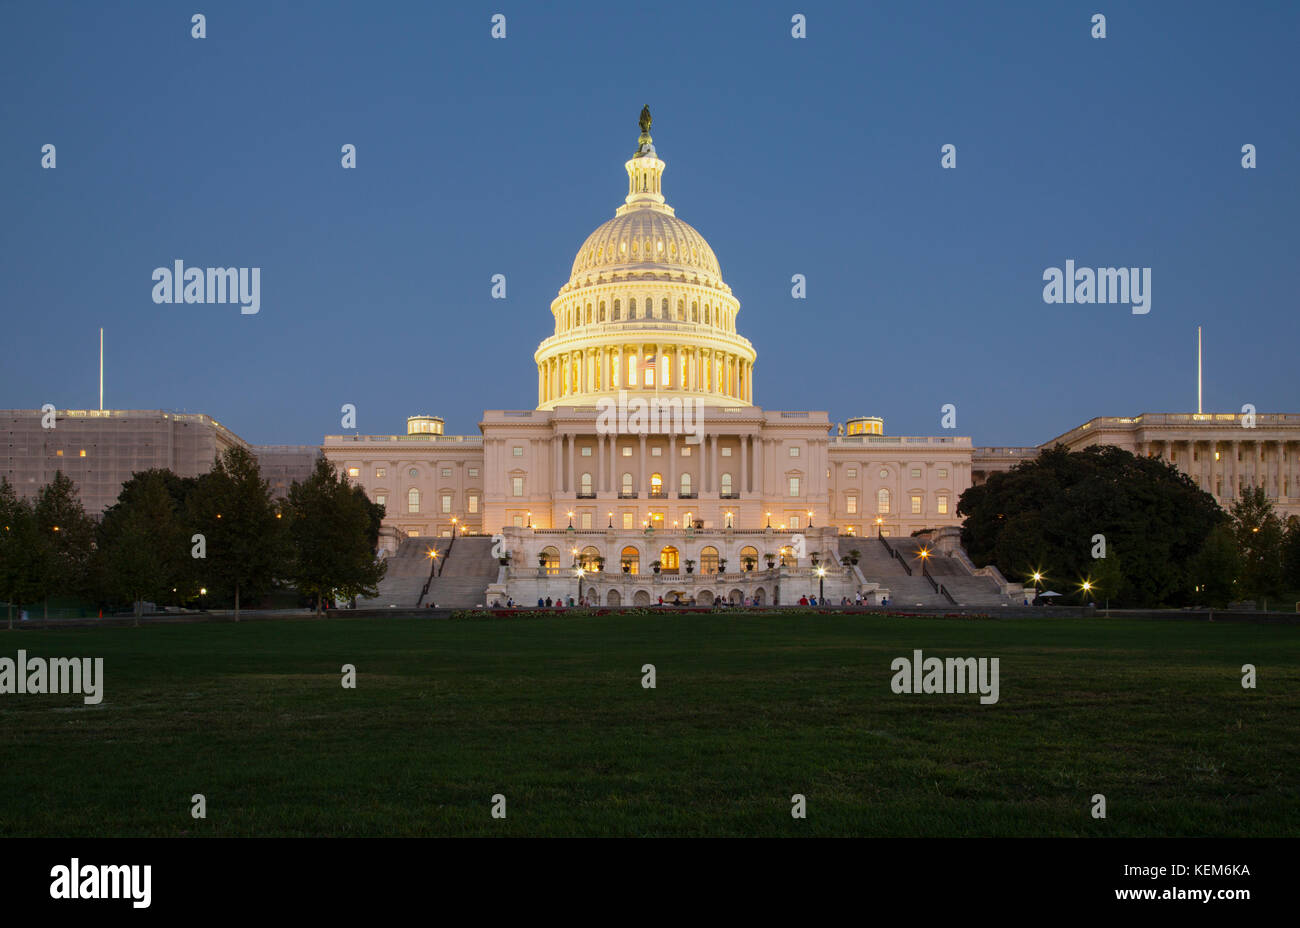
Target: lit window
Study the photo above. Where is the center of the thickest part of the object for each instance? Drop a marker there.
(413, 500)
(794, 523)
(517, 451)
(412, 532)
(916, 505)
(686, 451)
(59, 453)
(942, 504)
(627, 484)
(81, 453)
(882, 501)
(851, 473)
(354, 471)
(586, 520)
(852, 506)
(381, 472)
(586, 484)
(473, 502)
(519, 521)
(794, 486)
(517, 486)
(686, 485)
(627, 452)
(446, 502)
(726, 484)
(627, 520)
(794, 452)
(382, 499)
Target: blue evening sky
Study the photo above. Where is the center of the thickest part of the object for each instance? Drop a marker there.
(818, 156)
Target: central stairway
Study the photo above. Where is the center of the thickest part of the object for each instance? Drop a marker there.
(879, 565)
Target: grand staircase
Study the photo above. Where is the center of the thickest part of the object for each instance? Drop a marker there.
(884, 564)
(469, 569)
(463, 571)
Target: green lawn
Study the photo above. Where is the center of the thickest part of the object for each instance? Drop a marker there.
(748, 711)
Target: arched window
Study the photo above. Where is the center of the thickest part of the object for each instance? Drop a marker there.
(631, 305)
(686, 484)
(706, 315)
(681, 310)
(695, 312)
(549, 560)
(787, 557)
(627, 485)
(587, 559)
(616, 307)
(588, 314)
(586, 485)
(726, 484)
(748, 558)
(668, 560)
(663, 308)
(602, 310)
(630, 560)
(656, 486)
(413, 500)
(708, 560)
(882, 501)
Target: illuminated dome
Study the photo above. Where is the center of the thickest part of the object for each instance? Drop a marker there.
(645, 308)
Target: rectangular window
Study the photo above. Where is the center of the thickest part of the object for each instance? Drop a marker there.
(81, 453)
(916, 472)
(519, 521)
(412, 532)
(446, 471)
(59, 453)
(726, 452)
(943, 505)
(686, 451)
(473, 471)
(794, 486)
(627, 520)
(943, 473)
(794, 452)
(354, 471)
(446, 502)
(381, 472)
(627, 452)
(517, 486)
(794, 523)
(517, 451)
(916, 505)
(586, 451)
(586, 520)
(473, 502)
(852, 473)
(656, 452)
(382, 499)
(852, 507)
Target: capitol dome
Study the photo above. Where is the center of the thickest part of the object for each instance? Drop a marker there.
(645, 309)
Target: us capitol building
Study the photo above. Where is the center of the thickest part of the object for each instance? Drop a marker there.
(744, 501)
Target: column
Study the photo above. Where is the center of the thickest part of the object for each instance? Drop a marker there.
(556, 470)
(743, 484)
(642, 478)
(573, 464)
(672, 464)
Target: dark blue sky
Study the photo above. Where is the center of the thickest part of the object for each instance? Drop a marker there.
(819, 157)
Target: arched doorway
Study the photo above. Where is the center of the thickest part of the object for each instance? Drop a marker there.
(640, 598)
(668, 561)
(787, 557)
(704, 598)
(708, 560)
(760, 597)
(613, 599)
(630, 560)
(736, 597)
(587, 557)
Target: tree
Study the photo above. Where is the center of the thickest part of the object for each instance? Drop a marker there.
(23, 553)
(231, 507)
(69, 535)
(1216, 566)
(1043, 515)
(1259, 535)
(1291, 554)
(333, 533)
(143, 547)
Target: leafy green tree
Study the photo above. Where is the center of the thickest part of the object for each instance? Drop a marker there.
(1259, 533)
(143, 485)
(1043, 515)
(143, 547)
(231, 507)
(1216, 566)
(333, 531)
(69, 535)
(1291, 555)
(1108, 579)
(24, 555)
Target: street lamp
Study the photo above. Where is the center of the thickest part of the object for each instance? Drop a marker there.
(570, 520)
(453, 526)
(769, 520)
(580, 572)
(729, 522)
(530, 518)
(821, 585)
(810, 525)
(611, 519)
(203, 591)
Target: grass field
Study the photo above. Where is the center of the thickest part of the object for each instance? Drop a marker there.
(747, 711)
